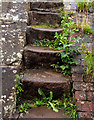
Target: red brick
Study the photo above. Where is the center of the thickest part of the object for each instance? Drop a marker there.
(83, 86)
(77, 77)
(90, 96)
(80, 95)
(85, 115)
(85, 106)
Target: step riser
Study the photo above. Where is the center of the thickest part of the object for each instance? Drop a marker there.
(58, 89)
(46, 5)
(33, 34)
(35, 18)
(32, 59)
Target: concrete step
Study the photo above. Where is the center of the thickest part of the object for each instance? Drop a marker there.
(34, 33)
(37, 17)
(47, 80)
(39, 57)
(45, 5)
(43, 112)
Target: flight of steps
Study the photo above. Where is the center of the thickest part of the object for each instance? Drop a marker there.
(37, 60)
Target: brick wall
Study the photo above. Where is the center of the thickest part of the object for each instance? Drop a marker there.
(83, 93)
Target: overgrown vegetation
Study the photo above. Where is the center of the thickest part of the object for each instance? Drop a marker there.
(88, 57)
(19, 89)
(55, 105)
(83, 7)
(62, 41)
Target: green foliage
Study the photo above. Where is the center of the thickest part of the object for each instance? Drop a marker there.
(45, 100)
(84, 6)
(62, 42)
(19, 89)
(87, 29)
(69, 106)
(24, 107)
(88, 57)
(55, 105)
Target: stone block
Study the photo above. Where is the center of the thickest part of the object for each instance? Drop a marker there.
(80, 95)
(82, 86)
(90, 96)
(77, 77)
(85, 115)
(85, 106)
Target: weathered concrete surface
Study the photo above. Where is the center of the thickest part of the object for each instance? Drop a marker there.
(47, 80)
(33, 34)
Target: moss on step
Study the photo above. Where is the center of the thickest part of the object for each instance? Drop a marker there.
(44, 26)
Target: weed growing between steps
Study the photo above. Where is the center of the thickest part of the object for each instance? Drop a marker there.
(66, 103)
(55, 105)
(66, 42)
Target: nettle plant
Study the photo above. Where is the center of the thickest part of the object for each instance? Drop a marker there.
(64, 41)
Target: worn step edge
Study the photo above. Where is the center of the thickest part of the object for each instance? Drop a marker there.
(45, 29)
(46, 10)
(38, 49)
(44, 13)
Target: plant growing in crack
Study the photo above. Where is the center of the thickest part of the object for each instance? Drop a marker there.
(19, 89)
(55, 105)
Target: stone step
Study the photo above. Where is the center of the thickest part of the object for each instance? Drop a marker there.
(39, 57)
(43, 112)
(47, 10)
(45, 5)
(34, 33)
(47, 80)
(37, 17)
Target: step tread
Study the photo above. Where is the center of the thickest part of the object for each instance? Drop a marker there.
(39, 49)
(45, 13)
(46, 29)
(46, 10)
(43, 75)
(44, 112)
